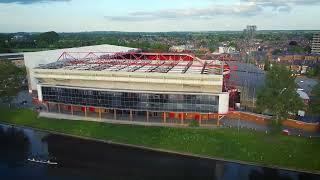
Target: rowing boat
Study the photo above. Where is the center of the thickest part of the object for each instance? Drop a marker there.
(42, 161)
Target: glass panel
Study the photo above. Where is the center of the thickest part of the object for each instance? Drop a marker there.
(131, 100)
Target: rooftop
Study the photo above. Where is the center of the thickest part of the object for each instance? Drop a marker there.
(303, 95)
(137, 62)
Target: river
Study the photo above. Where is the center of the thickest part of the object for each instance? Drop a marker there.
(85, 159)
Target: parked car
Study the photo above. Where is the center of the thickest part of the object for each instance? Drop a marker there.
(286, 132)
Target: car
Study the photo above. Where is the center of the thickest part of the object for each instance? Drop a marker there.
(286, 132)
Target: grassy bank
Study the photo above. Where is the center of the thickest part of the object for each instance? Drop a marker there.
(291, 152)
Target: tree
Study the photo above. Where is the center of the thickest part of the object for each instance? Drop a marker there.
(296, 49)
(314, 71)
(4, 48)
(266, 65)
(158, 47)
(307, 49)
(279, 95)
(314, 107)
(10, 78)
(293, 43)
(233, 44)
(276, 52)
(48, 38)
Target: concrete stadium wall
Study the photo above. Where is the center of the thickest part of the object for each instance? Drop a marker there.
(133, 81)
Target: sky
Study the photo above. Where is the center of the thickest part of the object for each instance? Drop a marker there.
(157, 15)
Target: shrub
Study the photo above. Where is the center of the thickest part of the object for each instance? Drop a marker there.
(194, 123)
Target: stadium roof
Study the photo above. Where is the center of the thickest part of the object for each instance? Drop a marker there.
(137, 62)
(34, 59)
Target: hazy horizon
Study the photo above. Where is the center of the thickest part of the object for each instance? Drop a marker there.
(261, 30)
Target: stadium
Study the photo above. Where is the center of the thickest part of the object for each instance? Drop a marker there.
(134, 86)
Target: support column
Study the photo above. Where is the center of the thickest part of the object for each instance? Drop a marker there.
(48, 107)
(114, 114)
(147, 116)
(218, 122)
(85, 111)
(182, 118)
(71, 110)
(200, 119)
(39, 90)
(100, 113)
(59, 110)
(164, 117)
(131, 115)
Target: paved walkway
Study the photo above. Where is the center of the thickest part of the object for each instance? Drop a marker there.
(225, 122)
(232, 123)
(74, 117)
(22, 100)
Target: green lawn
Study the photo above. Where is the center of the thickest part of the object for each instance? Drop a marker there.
(292, 152)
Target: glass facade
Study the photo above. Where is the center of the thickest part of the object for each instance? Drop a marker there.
(132, 100)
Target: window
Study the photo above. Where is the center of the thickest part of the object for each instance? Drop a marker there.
(131, 100)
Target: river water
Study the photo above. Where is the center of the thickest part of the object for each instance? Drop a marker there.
(84, 159)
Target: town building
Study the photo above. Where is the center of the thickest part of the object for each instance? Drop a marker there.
(298, 63)
(182, 48)
(227, 49)
(316, 44)
(163, 88)
(304, 96)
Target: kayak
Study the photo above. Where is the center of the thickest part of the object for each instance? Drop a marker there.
(42, 161)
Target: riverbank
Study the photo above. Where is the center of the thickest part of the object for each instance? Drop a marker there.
(249, 146)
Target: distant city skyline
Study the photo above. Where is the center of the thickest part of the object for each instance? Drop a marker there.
(157, 15)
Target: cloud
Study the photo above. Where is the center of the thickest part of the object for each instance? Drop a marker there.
(29, 1)
(243, 9)
(284, 9)
(282, 2)
(282, 5)
(198, 13)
